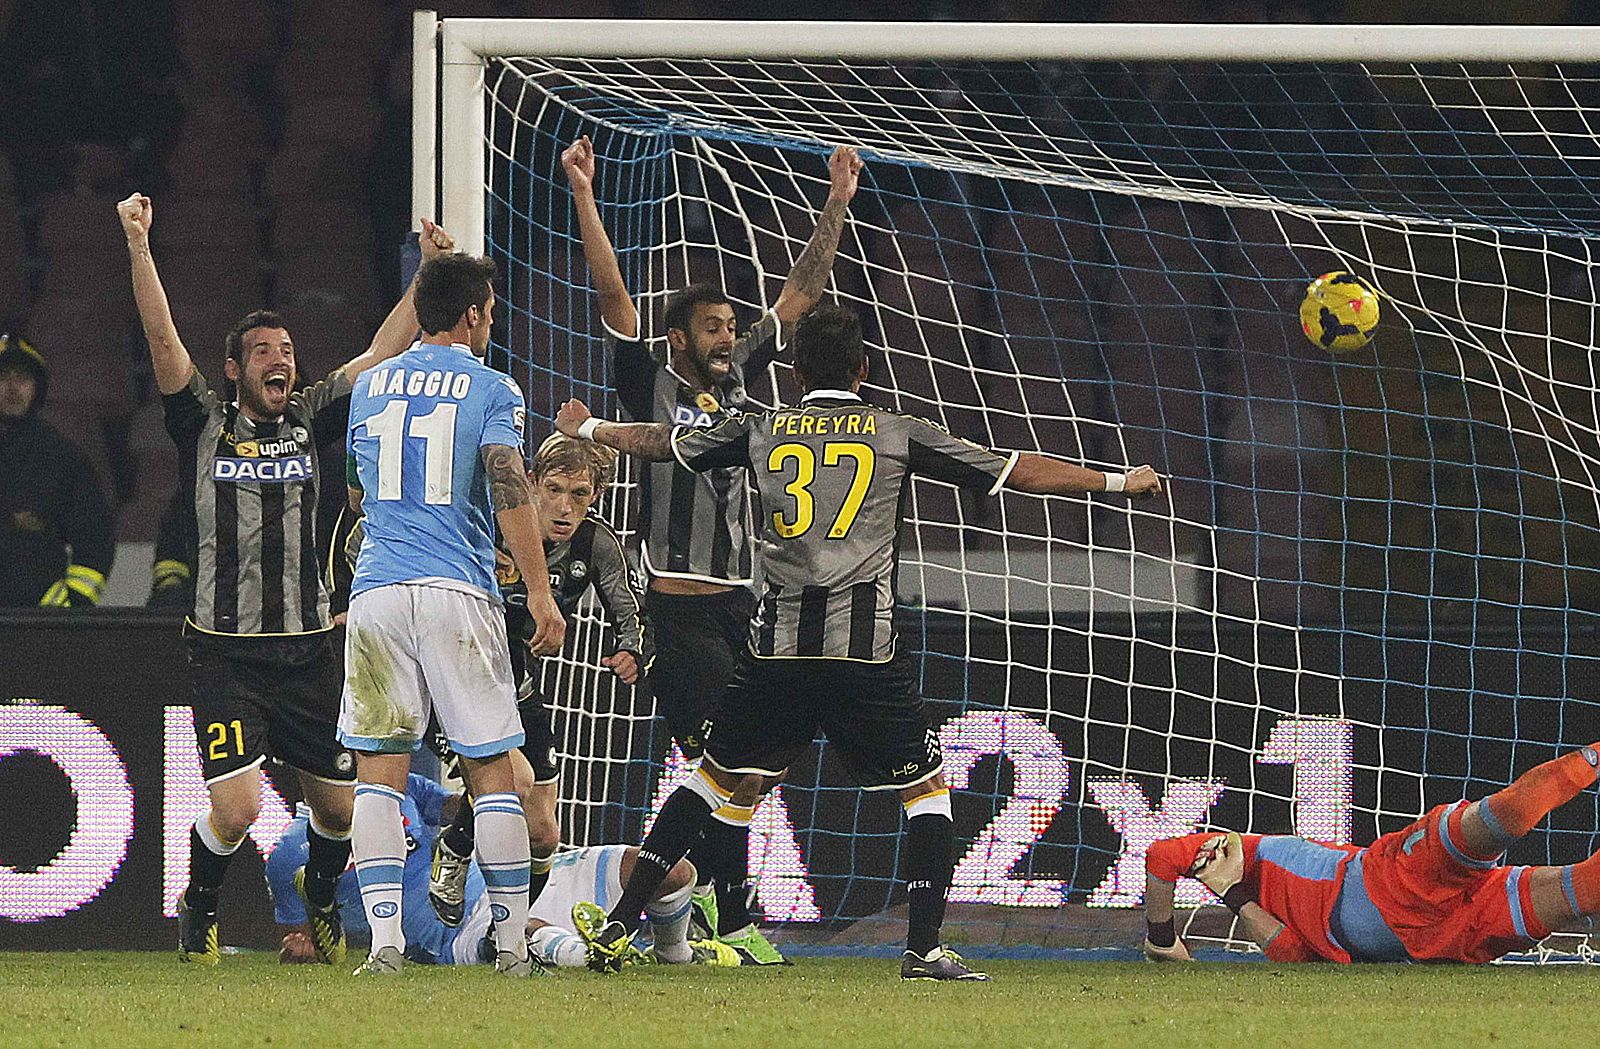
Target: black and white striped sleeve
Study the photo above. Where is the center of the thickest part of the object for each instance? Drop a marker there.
(612, 576)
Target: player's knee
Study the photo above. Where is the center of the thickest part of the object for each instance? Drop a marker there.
(681, 874)
(333, 811)
(543, 836)
(232, 818)
(750, 789)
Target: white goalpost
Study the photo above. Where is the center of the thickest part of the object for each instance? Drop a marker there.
(1373, 587)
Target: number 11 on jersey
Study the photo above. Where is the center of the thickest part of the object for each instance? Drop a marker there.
(437, 430)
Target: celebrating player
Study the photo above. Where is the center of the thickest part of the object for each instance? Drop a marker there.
(264, 676)
(590, 874)
(698, 550)
(582, 551)
(822, 650)
(1434, 891)
(437, 440)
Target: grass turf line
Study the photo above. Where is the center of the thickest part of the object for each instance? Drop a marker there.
(134, 1000)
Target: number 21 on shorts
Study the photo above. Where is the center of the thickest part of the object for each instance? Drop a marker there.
(217, 736)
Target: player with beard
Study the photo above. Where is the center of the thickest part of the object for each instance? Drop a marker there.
(698, 550)
(264, 673)
(831, 476)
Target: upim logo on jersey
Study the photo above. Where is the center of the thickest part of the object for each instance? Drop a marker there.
(266, 449)
(262, 471)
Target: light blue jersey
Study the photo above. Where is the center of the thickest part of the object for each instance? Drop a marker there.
(417, 424)
(428, 940)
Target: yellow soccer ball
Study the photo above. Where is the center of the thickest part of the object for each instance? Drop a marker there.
(1339, 312)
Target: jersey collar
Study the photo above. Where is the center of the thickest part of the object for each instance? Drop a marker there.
(238, 414)
(463, 347)
(830, 395)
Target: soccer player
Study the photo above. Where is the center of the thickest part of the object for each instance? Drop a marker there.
(582, 552)
(698, 548)
(265, 676)
(1434, 891)
(591, 874)
(437, 439)
(822, 651)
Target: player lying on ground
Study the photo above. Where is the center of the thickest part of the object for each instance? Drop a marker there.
(1432, 892)
(552, 940)
(437, 438)
(696, 542)
(583, 552)
(822, 651)
(264, 671)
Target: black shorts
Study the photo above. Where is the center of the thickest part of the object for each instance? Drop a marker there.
(539, 737)
(699, 638)
(870, 712)
(259, 697)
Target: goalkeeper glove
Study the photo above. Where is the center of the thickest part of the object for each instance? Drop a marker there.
(1178, 952)
(81, 587)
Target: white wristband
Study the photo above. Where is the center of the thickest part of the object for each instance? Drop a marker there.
(587, 428)
(1116, 482)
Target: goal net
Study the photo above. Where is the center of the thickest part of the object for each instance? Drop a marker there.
(1372, 587)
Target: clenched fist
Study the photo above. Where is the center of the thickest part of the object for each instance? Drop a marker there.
(1142, 480)
(572, 415)
(136, 214)
(844, 173)
(624, 664)
(433, 240)
(578, 162)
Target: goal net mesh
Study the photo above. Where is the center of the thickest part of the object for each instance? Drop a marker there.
(1372, 587)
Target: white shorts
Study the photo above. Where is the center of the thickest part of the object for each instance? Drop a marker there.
(593, 874)
(410, 649)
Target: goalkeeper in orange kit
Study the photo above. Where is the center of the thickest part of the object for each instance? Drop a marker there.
(1435, 891)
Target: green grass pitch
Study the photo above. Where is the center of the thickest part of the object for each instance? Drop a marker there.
(130, 1000)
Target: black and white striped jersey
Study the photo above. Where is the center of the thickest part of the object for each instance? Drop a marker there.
(254, 488)
(593, 557)
(829, 476)
(695, 525)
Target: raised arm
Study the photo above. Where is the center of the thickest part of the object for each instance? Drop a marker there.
(168, 358)
(652, 441)
(399, 328)
(518, 517)
(616, 306)
(810, 274)
(1043, 475)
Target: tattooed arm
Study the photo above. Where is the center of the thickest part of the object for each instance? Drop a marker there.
(518, 517)
(810, 274)
(652, 441)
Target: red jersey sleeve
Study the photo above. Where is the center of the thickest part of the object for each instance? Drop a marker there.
(1170, 858)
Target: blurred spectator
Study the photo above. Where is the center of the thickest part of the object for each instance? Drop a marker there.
(172, 575)
(55, 527)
